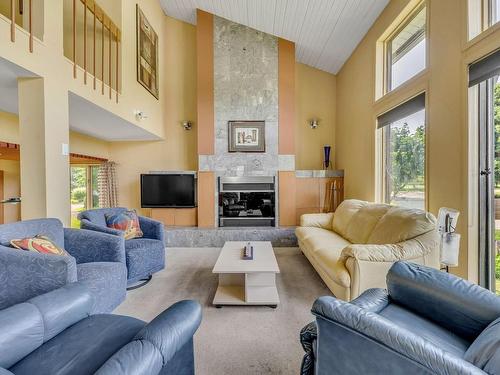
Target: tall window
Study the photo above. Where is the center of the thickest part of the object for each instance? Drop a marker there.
(84, 190)
(406, 50)
(403, 154)
(482, 15)
(484, 94)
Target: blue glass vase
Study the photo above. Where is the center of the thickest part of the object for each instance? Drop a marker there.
(326, 160)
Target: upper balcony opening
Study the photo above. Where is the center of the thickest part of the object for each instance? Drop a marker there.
(92, 41)
(26, 14)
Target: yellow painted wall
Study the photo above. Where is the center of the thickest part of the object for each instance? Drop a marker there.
(9, 127)
(12, 189)
(315, 92)
(445, 84)
(85, 145)
(178, 150)
(78, 143)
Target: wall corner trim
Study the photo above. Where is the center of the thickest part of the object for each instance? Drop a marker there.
(286, 96)
(205, 79)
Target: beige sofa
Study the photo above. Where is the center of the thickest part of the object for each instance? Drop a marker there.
(353, 249)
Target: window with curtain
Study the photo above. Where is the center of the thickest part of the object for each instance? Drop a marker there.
(406, 50)
(402, 177)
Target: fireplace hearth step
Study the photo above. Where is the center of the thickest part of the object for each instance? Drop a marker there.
(216, 237)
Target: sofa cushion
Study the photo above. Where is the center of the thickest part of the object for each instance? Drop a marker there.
(344, 213)
(22, 332)
(98, 338)
(329, 260)
(326, 247)
(39, 244)
(126, 221)
(401, 224)
(63, 307)
(144, 257)
(51, 228)
(364, 221)
(485, 350)
(428, 330)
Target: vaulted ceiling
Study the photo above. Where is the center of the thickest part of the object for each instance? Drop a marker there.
(325, 32)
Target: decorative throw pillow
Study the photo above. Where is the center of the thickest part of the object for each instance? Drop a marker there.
(39, 244)
(127, 221)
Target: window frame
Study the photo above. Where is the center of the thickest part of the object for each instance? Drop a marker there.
(480, 17)
(387, 50)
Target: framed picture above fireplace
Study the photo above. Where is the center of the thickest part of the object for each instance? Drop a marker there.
(247, 136)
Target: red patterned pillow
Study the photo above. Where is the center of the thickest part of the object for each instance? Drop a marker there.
(39, 244)
(127, 221)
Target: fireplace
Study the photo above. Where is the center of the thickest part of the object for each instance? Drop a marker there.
(247, 201)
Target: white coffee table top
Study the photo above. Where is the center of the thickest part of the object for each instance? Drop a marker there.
(230, 258)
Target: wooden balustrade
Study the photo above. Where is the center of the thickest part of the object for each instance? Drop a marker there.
(12, 15)
(110, 34)
(110, 39)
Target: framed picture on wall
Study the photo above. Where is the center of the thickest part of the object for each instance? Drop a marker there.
(247, 136)
(147, 54)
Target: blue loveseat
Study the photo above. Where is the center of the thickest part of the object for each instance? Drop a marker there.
(143, 256)
(426, 322)
(55, 333)
(96, 259)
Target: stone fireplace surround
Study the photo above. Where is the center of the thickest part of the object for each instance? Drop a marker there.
(245, 88)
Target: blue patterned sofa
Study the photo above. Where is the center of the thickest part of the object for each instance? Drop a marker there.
(96, 260)
(55, 333)
(143, 256)
(426, 322)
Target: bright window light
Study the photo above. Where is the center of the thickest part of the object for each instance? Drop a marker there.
(406, 51)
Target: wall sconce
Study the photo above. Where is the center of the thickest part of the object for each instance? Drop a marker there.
(314, 123)
(140, 115)
(187, 125)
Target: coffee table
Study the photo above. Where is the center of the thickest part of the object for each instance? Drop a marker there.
(246, 282)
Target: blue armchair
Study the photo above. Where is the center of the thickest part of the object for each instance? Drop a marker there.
(143, 256)
(426, 322)
(55, 333)
(96, 259)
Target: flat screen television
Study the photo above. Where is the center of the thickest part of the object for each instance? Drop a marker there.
(168, 190)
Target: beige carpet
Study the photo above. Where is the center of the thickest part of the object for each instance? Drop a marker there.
(235, 340)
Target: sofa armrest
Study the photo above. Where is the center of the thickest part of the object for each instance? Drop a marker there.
(90, 246)
(374, 300)
(157, 343)
(411, 249)
(26, 274)
(152, 229)
(308, 336)
(317, 220)
(385, 337)
(173, 328)
(86, 224)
